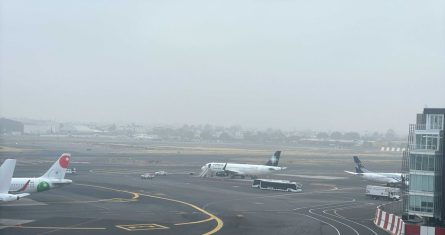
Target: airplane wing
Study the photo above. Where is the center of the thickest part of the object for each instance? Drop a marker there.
(352, 173)
(232, 172)
(61, 183)
(22, 195)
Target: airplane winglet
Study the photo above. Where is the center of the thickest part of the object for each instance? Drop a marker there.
(6, 171)
(352, 173)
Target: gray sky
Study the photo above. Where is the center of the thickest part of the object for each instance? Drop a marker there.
(323, 64)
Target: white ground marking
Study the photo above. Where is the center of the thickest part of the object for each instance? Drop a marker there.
(355, 231)
(338, 232)
(4, 223)
(24, 202)
(344, 218)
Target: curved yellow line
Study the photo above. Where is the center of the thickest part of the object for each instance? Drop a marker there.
(195, 222)
(135, 196)
(219, 222)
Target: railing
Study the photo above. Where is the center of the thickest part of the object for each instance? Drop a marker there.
(419, 126)
(423, 147)
(422, 126)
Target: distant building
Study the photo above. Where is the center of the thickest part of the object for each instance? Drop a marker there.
(8, 126)
(78, 129)
(426, 162)
(37, 127)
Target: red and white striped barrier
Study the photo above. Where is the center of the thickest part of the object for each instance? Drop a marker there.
(394, 225)
(389, 222)
(414, 229)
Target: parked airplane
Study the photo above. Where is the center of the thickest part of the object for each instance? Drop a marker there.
(53, 178)
(6, 171)
(242, 170)
(391, 179)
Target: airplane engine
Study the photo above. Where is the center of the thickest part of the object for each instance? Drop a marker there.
(9, 197)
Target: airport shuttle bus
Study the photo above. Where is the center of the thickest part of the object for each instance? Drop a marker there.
(278, 185)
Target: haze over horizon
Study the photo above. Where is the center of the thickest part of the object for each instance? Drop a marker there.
(323, 65)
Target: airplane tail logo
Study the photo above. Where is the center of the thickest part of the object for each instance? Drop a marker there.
(58, 169)
(274, 159)
(359, 168)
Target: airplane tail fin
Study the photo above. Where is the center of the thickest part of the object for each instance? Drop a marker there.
(6, 171)
(58, 169)
(273, 161)
(359, 168)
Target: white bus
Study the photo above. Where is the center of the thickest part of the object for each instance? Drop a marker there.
(278, 185)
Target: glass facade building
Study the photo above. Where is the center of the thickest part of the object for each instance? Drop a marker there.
(425, 197)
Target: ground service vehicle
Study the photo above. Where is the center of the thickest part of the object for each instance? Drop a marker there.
(72, 171)
(278, 185)
(163, 173)
(147, 176)
(381, 192)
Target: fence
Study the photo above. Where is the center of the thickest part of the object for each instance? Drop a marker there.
(394, 225)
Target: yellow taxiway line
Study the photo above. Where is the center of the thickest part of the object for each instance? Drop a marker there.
(134, 198)
(219, 222)
(140, 227)
(135, 195)
(195, 222)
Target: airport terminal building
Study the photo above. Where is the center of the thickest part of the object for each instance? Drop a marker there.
(425, 196)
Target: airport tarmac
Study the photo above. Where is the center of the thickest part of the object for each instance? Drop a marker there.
(108, 196)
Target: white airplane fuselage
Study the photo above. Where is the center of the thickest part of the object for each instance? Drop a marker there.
(242, 169)
(380, 177)
(32, 185)
(391, 178)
